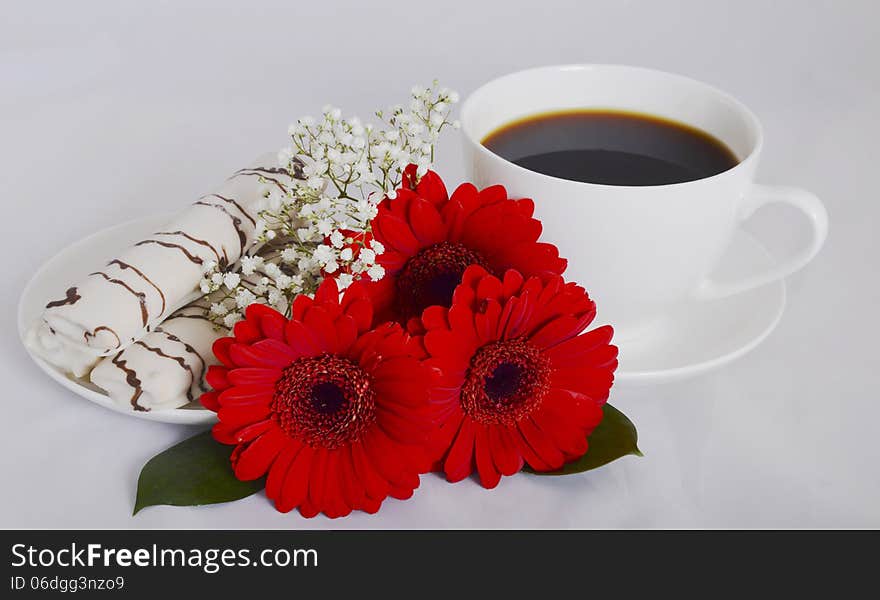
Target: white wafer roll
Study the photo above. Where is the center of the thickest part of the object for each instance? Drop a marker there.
(126, 298)
(164, 369)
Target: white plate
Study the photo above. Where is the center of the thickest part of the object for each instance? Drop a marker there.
(701, 336)
(71, 264)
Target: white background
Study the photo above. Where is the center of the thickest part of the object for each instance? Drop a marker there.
(111, 111)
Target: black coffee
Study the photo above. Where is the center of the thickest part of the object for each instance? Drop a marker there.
(612, 148)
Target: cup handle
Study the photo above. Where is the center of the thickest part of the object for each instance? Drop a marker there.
(761, 195)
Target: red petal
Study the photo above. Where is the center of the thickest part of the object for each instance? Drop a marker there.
(272, 325)
(296, 481)
(400, 429)
(265, 353)
(217, 377)
(464, 200)
(256, 312)
(487, 322)
(512, 283)
(374, 484)
(244, 414)
(278, 470)
(384, 455)
(352, 489)
(254, 376)
(440, 440)
(308, 510)
(568, 438)
(396, 234)
(324, 333)
(595, 383)
(489, 287)
(300, 339)
(362, 312)
(221, 350)
(541, 443)
(209, 401)
(317, 479)
(247, 394)
(300, 306)
(434, 317)
(327, 292)
(526, 451)
(224, 434)
(251, 432)
(504, 452)
(461, 322)
(556, 331)
(489, 476)
(246, 332)
(346, 333)
(590, 344)
(427, 226)
(334, 503)
(459, 461)
(256, 458)
(442, 342)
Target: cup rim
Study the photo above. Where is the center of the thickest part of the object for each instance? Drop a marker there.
(742, 108)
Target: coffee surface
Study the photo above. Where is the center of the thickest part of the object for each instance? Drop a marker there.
(611, 148)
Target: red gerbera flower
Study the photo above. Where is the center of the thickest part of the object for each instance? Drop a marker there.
(431, 238)
(520, 382)
(335, 413)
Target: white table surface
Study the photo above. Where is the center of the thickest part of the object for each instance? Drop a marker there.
(111, 111)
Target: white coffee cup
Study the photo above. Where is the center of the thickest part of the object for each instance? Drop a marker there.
(639, 250)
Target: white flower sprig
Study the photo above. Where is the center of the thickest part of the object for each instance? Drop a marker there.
(318, 226)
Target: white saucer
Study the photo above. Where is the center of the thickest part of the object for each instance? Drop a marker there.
(701, 336)
(71, 264)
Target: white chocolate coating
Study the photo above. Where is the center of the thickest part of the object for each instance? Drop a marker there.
(123, 301)
(166, 368)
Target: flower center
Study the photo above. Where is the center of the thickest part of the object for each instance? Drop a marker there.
(430, 277)
(506, 381)
(327, 401)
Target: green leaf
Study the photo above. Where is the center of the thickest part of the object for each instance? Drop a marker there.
(196, 471)
(615, 437)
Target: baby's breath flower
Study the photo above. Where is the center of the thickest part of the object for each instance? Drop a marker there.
(376, 272)
(219, 309)
(244, 298)
(289, 255)
(231, 319)
(231, 280)
(249, 264)
(343, 167)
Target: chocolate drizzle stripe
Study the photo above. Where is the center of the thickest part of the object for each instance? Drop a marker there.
(255, 172)
(94, 332)
(236, 222)
(71, 297)
(131, 379)
(234, 202)
(269, 170)
(142, 298)
(194, 240)
(191, 350)
(178, 359)
(124, 265)
(192, 258)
